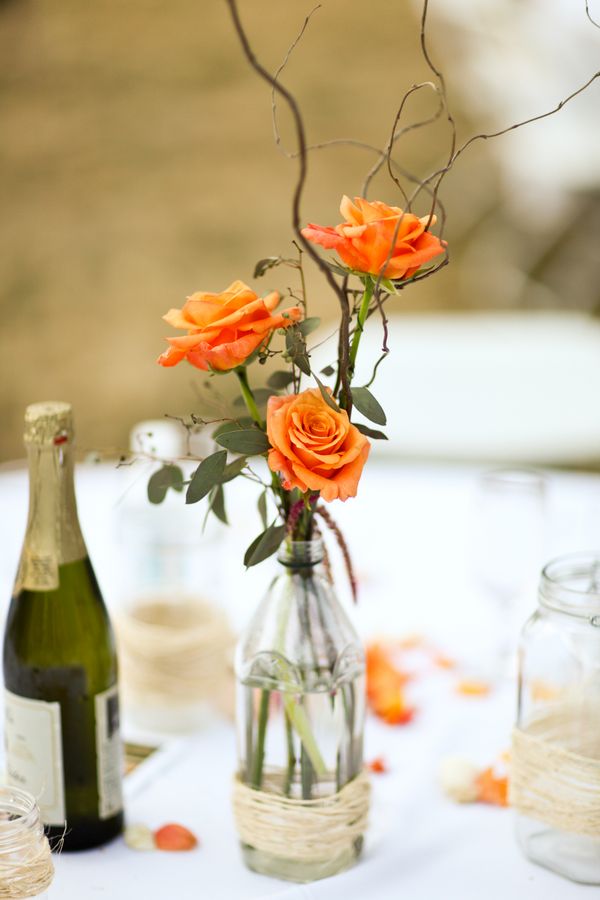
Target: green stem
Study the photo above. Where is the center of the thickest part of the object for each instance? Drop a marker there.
(249, 396)
(259, 750)
(289, 736)
(360, 324)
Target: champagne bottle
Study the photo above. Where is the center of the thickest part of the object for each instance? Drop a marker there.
(60, 669)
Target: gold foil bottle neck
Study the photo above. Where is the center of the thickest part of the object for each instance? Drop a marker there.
(48, 423)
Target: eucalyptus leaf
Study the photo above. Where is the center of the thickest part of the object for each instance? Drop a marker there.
(366, 404)
(207, 475)
(248, 441)
(296, 349)
(168, 476)
(370, 432)
(279, 380)
(265, 545)
(233, 469)
(231, 425)
(217, 503)
(262, 508)
(307, 326)
(326, 395)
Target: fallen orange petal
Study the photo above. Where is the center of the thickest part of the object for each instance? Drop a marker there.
(472, 687)
(377, 765)
(175, 837)
(444, 662)
(492, 788)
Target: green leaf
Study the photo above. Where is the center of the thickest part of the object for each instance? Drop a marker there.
(327, 371)
(230, 425)
(269, 262)
(309, 325)
(233, 469)
(296, 348)
(217, 503)
(265, 545)
(262, 508)
(248, 441)
(207, 475)
(370, 432)
(326, 395)
(366, 403)
(279, 380)
(159, 483)
(261, 395)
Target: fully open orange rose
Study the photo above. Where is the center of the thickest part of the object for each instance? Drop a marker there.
(364, 240)
(314, 447)
(224, 329)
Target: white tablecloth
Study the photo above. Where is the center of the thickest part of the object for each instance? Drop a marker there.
(410, 533)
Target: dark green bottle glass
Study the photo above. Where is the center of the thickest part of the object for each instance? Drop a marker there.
(60, 668)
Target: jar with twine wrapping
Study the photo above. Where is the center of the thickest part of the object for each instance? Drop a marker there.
(26, 868)
(300, 796)
(555, 760)
(175, 643)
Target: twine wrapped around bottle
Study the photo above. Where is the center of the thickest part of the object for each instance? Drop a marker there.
(27, 870)
(173, 653)
(302, 830)
(555, 769)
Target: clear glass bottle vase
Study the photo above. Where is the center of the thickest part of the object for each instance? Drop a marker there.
(300, 699)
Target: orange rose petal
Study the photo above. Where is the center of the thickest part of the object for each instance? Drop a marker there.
(175, 838)
(492, 788)
(444, 662)
(472, 687)
(378, 765)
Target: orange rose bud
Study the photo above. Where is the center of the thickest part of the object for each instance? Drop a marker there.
(364, 240)
(175, 838)
(315, 448)
(224, 329)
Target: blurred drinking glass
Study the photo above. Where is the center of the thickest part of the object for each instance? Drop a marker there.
(509, 525)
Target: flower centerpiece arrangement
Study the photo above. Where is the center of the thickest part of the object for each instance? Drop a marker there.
(300, 794)
(301, 797)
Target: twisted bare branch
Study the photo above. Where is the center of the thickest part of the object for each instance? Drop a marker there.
(297, 197)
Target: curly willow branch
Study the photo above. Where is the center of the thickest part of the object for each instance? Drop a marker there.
(298, 192)
(589, 15)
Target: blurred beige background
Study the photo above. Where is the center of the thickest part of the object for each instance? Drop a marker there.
(137, 164)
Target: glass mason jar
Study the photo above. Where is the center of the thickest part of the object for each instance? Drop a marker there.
(26, 868)
(300, 673)
(555, 781)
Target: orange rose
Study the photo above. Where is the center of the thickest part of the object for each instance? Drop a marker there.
(364, 240)
(314, 447)
(224, 329)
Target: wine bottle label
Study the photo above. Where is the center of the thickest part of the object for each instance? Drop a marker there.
(108, 753)
(34, 758)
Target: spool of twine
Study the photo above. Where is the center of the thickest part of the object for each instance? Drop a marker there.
(302, 830)
(173, 653)
(26, 870)
(555, 769)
